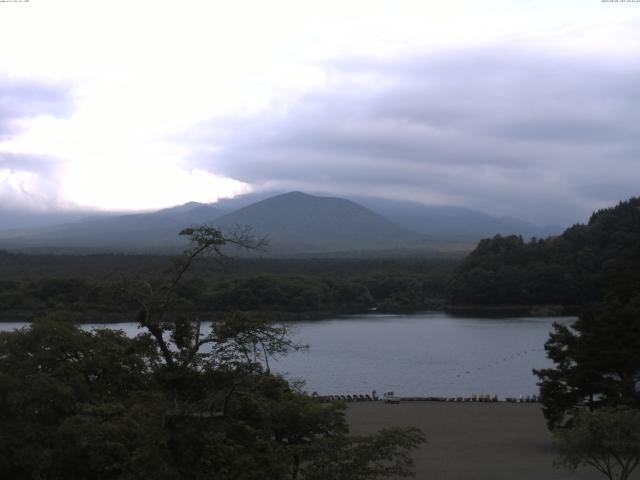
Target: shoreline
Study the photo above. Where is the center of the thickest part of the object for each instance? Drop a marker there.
(466, 311)
(489, 398)
(501, 311)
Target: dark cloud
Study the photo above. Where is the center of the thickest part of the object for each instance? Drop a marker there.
(23, 99)
(506, 130)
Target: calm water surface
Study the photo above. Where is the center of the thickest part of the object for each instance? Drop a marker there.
(420, 354)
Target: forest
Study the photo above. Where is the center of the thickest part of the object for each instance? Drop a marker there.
(586, 264)
(583, 265)
(91, 285)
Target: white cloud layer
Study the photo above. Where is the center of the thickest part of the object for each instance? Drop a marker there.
(526, 108)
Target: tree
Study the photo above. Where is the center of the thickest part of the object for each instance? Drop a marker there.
(607, 439)
(153, 302)
(379, 456)
(72, 401)
(597, 363)
(587, 263)
(181, 400)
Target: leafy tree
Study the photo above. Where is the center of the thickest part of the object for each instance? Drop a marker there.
(181, 400)
(58, 387)
(587, 263)
(383, 455)
(607, 440)
(597, 363)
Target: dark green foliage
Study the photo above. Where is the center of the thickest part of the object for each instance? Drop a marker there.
(271, 293)
(34, 285)
(383, 455)
(62, 390)
(508, 270)
(77, 405)
(607, 440)
(597, 362)
(585, 264)
(178, 401)
(591, 397)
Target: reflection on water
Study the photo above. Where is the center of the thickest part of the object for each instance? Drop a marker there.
(422, 354)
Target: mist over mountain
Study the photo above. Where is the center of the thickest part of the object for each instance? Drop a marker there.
(21, 219)
(228, 205)
(433, 220)
(156, 230)
(452, 221)
(190, 213)
(295, 223)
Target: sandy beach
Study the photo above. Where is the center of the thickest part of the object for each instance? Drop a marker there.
(472, 441)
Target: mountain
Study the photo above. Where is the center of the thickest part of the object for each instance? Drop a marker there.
(451, 221)
(141, 231)
(437, 221)
(295, 223)
(298, 222)
(191, 213)
(228, 205)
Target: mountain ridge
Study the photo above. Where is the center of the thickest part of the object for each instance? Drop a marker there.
(296, 223)
(319, 223)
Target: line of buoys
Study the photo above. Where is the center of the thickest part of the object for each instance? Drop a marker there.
(521, 399)
(474, 398)
(344, 398)
(498, 362)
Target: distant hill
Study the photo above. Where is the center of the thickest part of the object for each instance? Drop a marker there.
(142, 231)
(437, 221)
(228, 205)
(451, 221)
(295, 222)
(298, 222)
(191, 213)
(14, 219)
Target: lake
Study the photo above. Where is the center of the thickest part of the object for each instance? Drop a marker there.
(426, 354)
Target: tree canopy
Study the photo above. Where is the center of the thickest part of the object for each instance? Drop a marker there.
(591, 397)
(597, 362)
(607, 440)
(587, 263)
(180, 400)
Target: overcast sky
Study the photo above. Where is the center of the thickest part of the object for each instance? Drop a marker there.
(528, 108)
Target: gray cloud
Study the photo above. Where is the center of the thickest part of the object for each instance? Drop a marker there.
(29, 182)
(27, 163)
(23, 99)
(545, 136)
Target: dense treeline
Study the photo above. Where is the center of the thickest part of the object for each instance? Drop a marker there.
(584, 264)
(92, 285)
(595, 377)
(580, 266)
